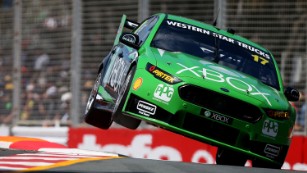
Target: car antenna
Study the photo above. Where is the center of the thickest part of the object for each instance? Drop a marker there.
(216, 40)
(229, 30)
(216, 18)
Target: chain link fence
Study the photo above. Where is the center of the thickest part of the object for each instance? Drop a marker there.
(50, 50)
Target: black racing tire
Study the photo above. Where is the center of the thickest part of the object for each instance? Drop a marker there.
(119, 117)
(262, 164)
(93, 116)
(229, 157)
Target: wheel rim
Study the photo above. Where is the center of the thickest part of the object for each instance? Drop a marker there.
(93, 94)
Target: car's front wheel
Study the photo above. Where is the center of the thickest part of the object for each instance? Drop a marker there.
(93, 116)
(229, 157)
(118, 116)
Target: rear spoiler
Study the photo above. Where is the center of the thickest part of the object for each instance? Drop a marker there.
(131, 24)
(124, 23)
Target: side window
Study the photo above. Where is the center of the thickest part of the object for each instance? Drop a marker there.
(145, 28)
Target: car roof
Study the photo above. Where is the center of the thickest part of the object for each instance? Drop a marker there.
(213, 29)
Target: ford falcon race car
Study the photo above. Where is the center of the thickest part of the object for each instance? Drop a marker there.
(199, 81)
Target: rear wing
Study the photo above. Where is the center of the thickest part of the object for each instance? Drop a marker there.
(131, 24)
(124, 23)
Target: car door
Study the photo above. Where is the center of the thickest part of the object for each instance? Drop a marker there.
(116, 70)
(122, 56)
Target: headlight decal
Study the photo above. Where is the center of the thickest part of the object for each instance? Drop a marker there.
(281, 115)
(162, 75)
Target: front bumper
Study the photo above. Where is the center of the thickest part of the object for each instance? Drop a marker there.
(204, 124)
(209, 131)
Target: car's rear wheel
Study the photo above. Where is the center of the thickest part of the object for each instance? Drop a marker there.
(229, 157)
(118, 116)
(93, 116)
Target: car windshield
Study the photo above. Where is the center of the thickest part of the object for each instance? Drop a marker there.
(176, 36)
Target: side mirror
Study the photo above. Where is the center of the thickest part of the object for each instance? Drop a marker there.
(292, 94)
(130, 40)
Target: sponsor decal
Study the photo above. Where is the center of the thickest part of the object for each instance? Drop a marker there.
(260, 59)
(219, 36)
(162, 75)
(207, 113)
(217, 117)
(130, 38)
(152, 146)
(270, 128)
(131, 25)
(217, 76)
(272, 151)
(145, 108)
(163, 93)
(188, 27)
(138, 82)
(116, 74)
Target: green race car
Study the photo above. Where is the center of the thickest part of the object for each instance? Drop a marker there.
(199, 81)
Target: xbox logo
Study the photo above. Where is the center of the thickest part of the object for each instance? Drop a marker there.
(207, 113)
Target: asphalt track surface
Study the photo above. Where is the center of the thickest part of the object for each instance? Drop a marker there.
(22, 154)
(120, 164)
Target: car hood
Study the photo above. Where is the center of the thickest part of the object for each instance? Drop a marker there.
(197, 71)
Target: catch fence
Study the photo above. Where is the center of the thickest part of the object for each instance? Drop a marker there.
(50, 50)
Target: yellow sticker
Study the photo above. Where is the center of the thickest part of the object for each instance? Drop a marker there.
(138, 82)
(260, 59)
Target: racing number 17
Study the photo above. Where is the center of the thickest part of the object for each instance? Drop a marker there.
(262, 60)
